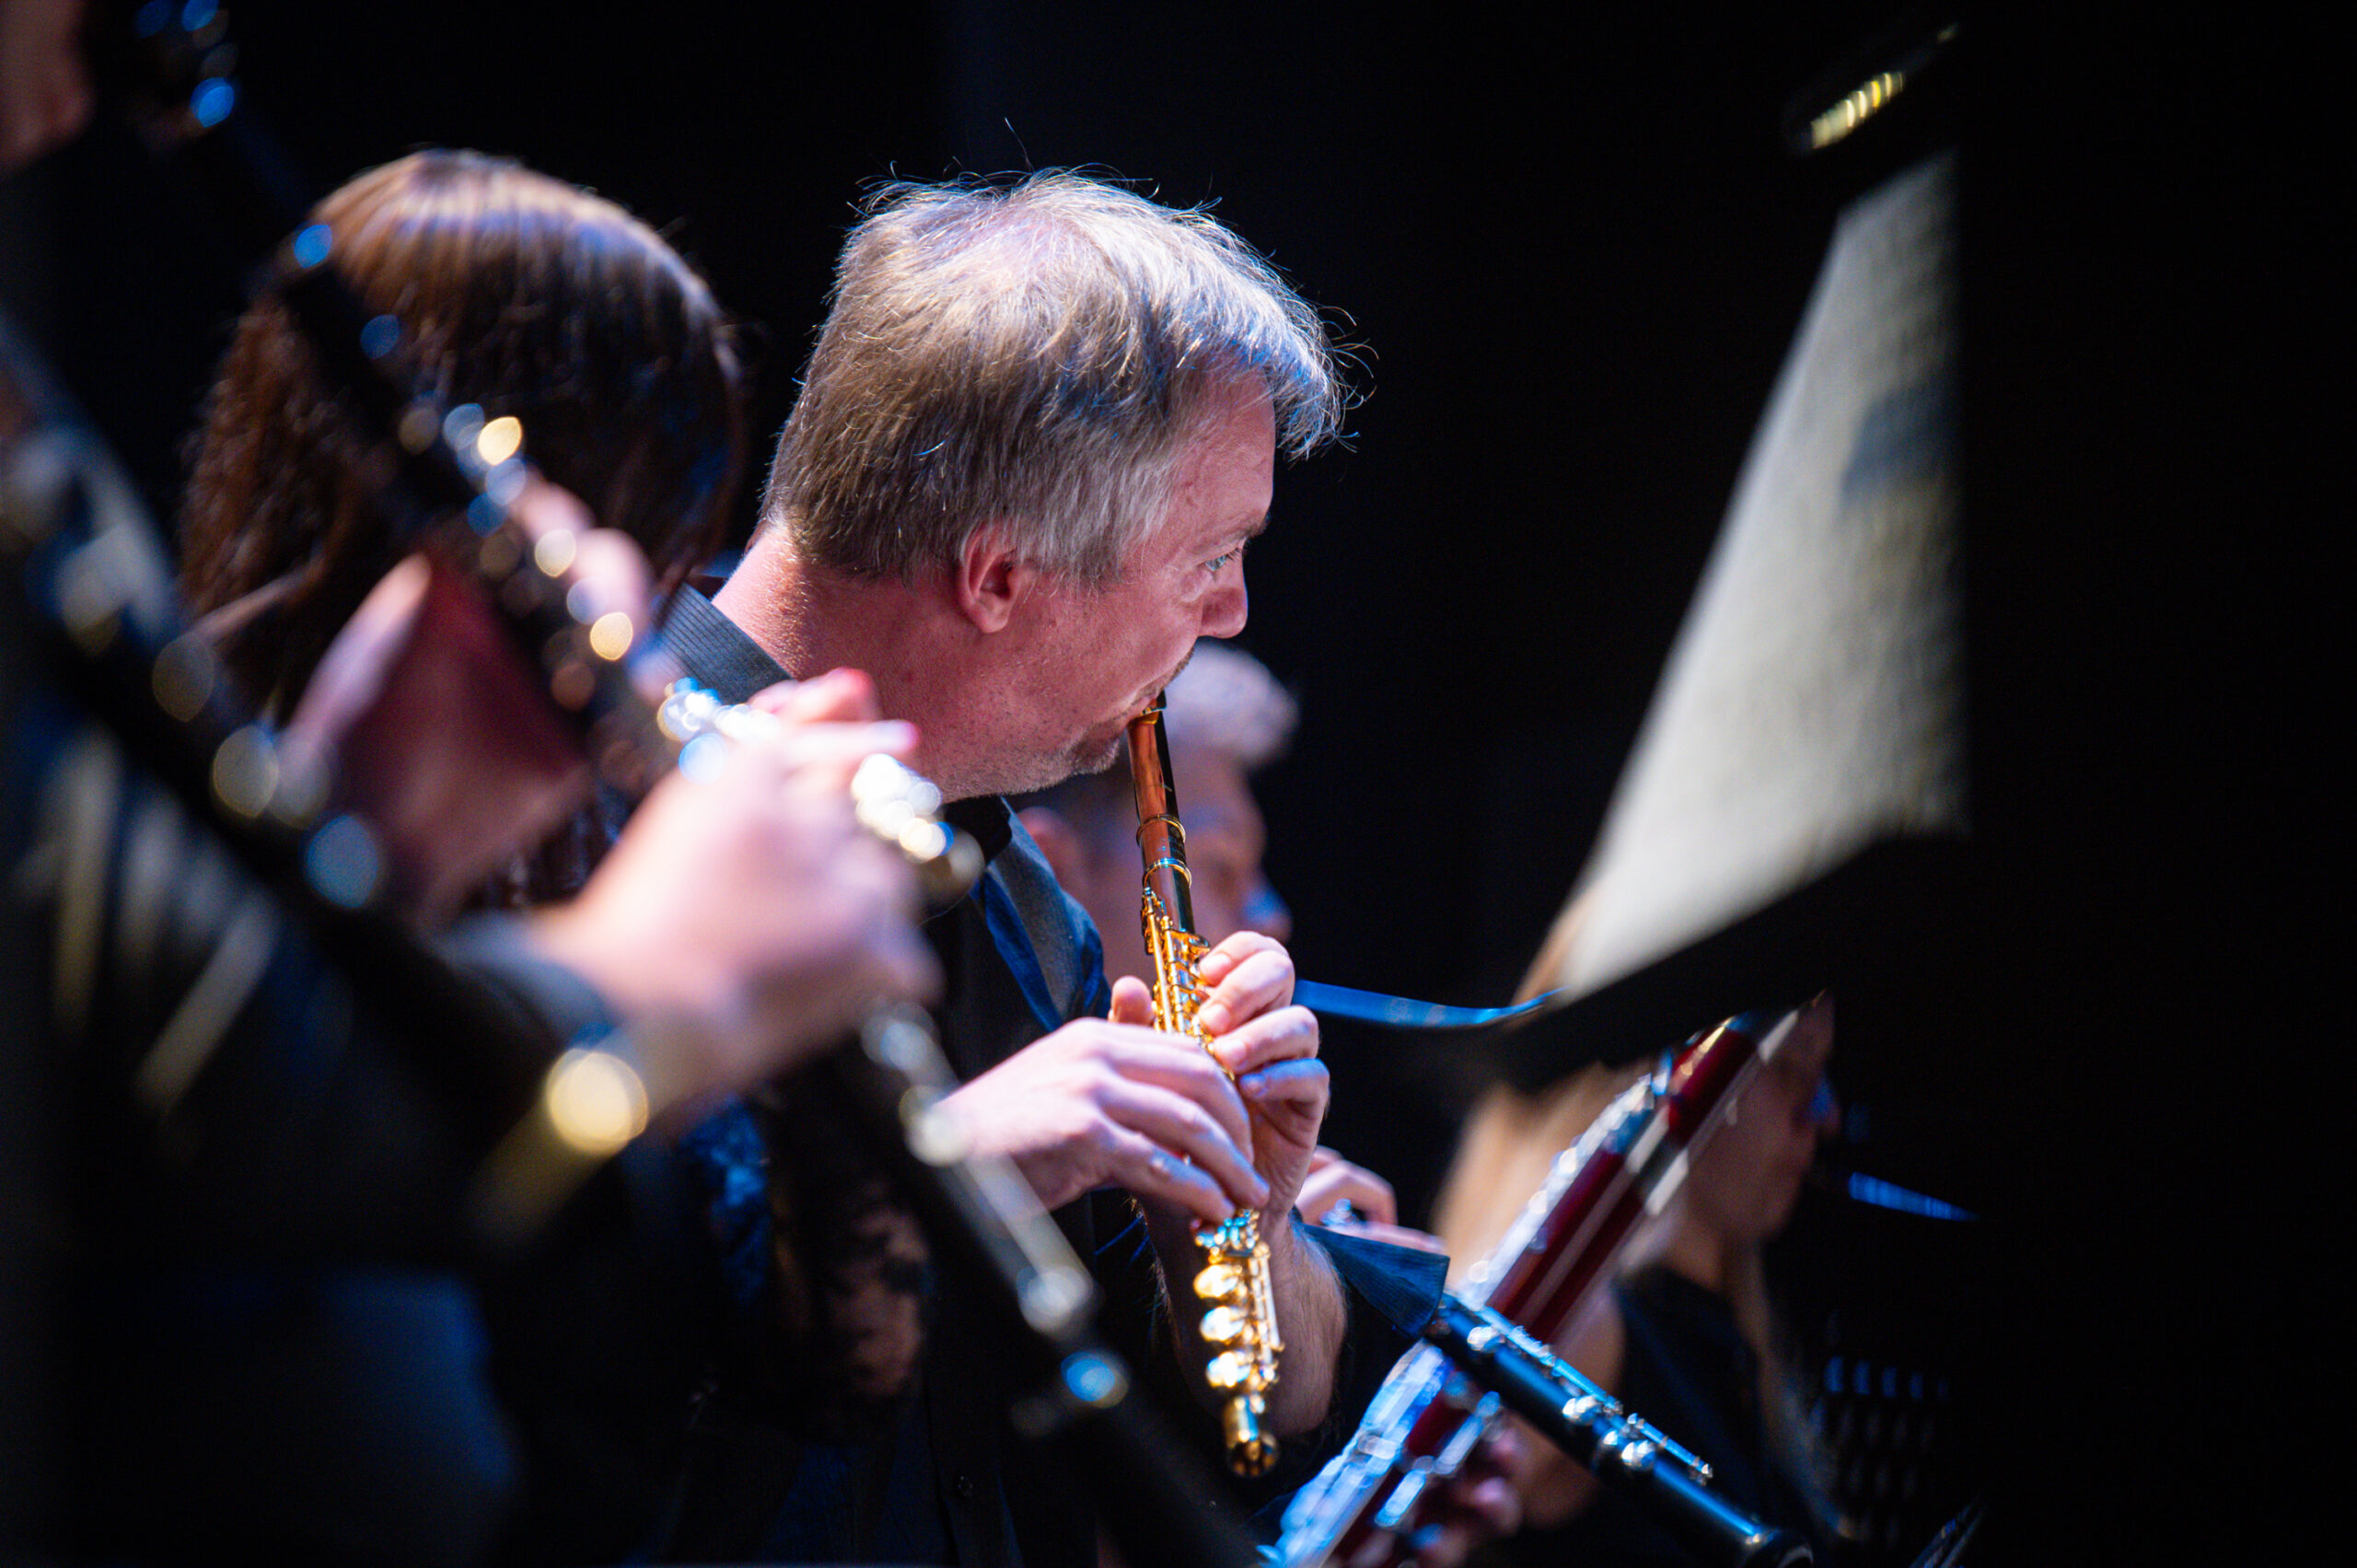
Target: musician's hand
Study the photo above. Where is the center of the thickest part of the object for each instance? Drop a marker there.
(1349, 1198)
(827, 719)
(1337, 1192)
(1105, 1102)
(1477, 1505)
(744, 920)
(436, 732)
(1271, 1047)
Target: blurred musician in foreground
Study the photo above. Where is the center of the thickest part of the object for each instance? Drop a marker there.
(552, 308)
(1685, 1336)
(274, 1351)
(1033, 441)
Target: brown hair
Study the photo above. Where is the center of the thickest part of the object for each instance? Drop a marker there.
(525, 295)
(1035, 353)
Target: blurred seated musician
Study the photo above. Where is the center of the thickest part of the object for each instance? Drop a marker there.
(1686, 1336)
(278, 1348)
(1228, 718)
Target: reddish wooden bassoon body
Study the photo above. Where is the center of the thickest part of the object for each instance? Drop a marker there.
(1426, 1420)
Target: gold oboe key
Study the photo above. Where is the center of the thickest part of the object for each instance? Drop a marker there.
(1233, 1282)
(1250, 1450)
(1226, 1325)
(1228, 1370)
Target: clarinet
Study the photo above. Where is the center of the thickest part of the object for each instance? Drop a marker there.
(1615, 1445)
(1240, 1319)
(99, 617)
(1424, 1421)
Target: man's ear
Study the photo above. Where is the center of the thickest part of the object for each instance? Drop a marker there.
(1059, 841)
(991, 580)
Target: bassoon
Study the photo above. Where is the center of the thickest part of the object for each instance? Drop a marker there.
(1426, 1420)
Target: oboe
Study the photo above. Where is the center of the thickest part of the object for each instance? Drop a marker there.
(1239, 1320)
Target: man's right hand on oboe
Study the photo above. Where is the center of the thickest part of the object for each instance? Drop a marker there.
(1255, 1032)
(1269, 1047)
(1114, 1102)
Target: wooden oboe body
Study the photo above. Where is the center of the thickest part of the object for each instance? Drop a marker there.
(1239, 1320)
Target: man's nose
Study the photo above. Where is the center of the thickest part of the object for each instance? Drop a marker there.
(1225, 611)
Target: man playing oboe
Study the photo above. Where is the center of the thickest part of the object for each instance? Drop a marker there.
(1033, 441)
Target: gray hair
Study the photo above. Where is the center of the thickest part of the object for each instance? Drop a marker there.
(1035, 353)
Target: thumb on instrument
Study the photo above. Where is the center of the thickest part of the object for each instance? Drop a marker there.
(1133, 1003)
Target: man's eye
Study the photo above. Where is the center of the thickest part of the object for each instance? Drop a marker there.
(1218, 564)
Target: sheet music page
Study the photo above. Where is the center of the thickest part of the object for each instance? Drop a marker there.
(1813, 702)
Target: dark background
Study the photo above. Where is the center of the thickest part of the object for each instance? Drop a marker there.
(1570, 254)
(1568, 258)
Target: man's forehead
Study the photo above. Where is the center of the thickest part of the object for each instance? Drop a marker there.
(1237, 421)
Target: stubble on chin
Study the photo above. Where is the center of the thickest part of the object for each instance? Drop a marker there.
(1095, 757)
(1090, 754)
